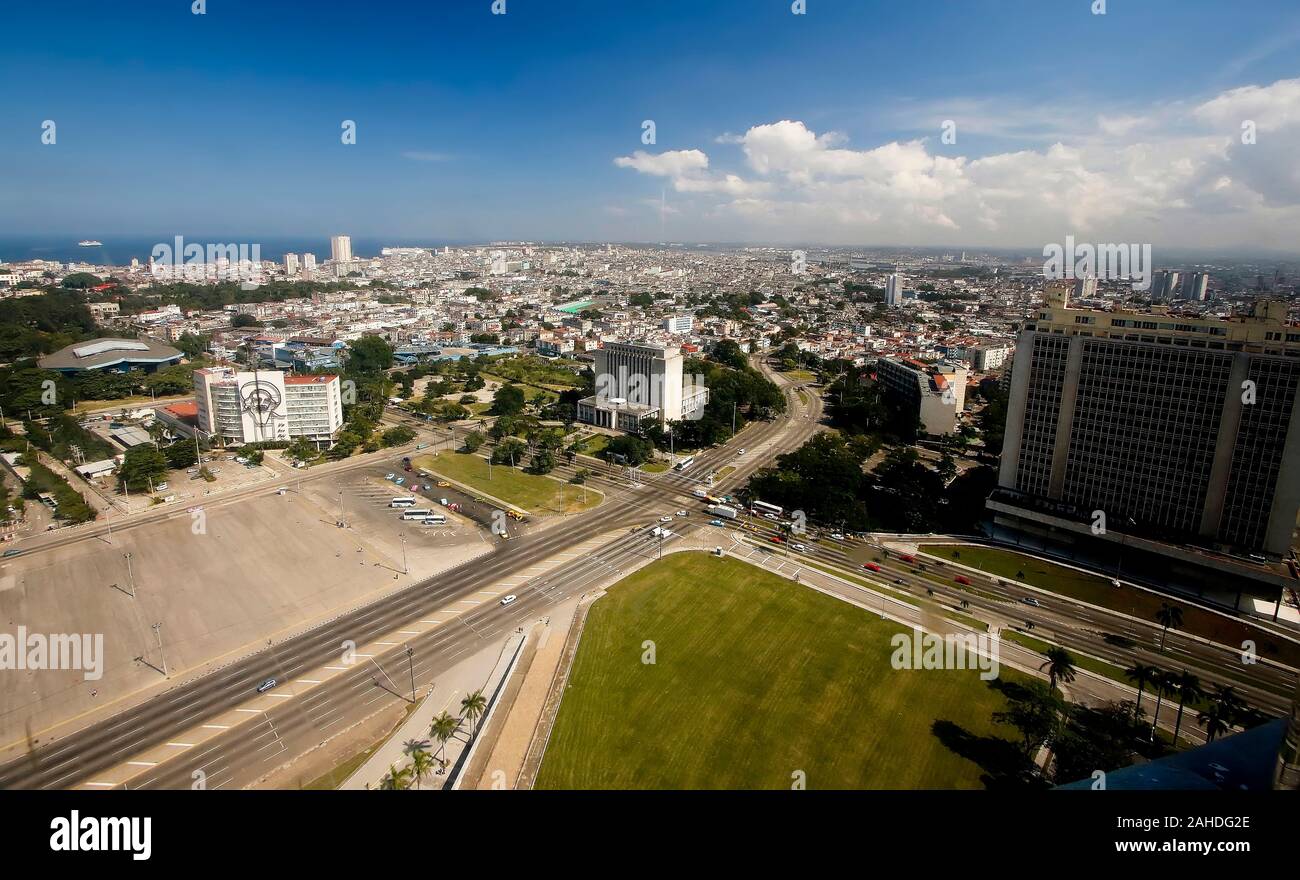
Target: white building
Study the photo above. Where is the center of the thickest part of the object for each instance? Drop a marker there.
(893, 293)
(308, 266)
(341, 249)
(291, 264)
(267, 405)
(679, 323)
(638, 383)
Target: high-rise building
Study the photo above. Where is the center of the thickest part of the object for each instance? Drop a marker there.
(291, 264)
(933, 393)
(1085, 288)
(341, 249)
(308, 266)
(1174, 429)
(893, 294)
(638, 383)
(1163, 285)
(267, 405)
(1196, 287)
(679, 323)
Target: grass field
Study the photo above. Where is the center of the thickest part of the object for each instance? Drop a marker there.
(801, 375)
(536, 494)
(1098, 591)
(755, 678)
(654, 467)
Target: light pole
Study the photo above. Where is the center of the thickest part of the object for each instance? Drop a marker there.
(130, 575)
(410, 663)
(157, 631)
(405, 570)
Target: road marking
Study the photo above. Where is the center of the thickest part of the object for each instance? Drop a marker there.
(103, 784)
(435, 622)
(143, 763)
(336, 668)
(254, 711)
(217, 726)
(308, 681)
(181, 745)
(408, 632)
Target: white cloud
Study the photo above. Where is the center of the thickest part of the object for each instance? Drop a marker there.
(1175, 174)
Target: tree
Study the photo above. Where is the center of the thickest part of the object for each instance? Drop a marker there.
(1060, 666)
(473, 440)
(1140, 674)
(1159, 684)
(1187, 687)
(1035, 713)
(421, 760)
(472, 707)
(443, 728)
(508, 400)
(244, 320)
(142, 466)
(181, 454)
(1223, 711)
(397, 435)
(396, 780)
(369, 356)
(509, 451)
(1168, 616)
(301, 449)
(543, 461)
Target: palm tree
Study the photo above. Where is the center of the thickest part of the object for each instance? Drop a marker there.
(472, 707)
(395, 780)
(1060, 666)
(1188, 687)
(421, 760)
(442, 729)
(1225, 706)
(1168, 616)
(1159, 682)
(1141, 675)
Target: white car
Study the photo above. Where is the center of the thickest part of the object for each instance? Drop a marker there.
(389, 476)
(508, 599)
(665, 519)
(741, 452)
(681, 513)
(800, 547)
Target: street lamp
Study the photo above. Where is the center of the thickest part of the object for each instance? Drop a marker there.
(157, 631)
(130, 575)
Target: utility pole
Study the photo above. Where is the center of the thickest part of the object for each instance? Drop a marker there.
(405, 569)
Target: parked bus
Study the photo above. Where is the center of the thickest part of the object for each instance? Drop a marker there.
(764, 507)
(401, 502)
(684, 463)
(417, 513)
(435, 519)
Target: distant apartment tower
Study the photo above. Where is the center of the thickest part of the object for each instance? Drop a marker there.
(636, 384)
(254, 407)
(290, 264)
(679, 323)
(934, 393)
(1163, 285)
(1085, 288)
(341, 249)
(308, 266)
(893, 294)
(1197, 287)
(1179, 430)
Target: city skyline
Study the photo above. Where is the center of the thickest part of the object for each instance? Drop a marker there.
(823, 141)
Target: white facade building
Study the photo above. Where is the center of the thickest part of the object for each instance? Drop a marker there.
(341, 249)
(679, 323)
(638, 383)
(893, 293)
(291, 264)
(267, 405)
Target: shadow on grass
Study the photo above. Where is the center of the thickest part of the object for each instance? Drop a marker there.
(1003, 765)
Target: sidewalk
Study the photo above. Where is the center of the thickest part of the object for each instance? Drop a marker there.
(483, 670)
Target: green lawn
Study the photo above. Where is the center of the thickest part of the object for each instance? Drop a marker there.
(1098, 591)
(801, 375)
(654, 467)
(595, 444)
(755, 678)
(535, 494)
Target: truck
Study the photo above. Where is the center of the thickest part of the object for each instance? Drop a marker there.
(721, 510)
(700, 492)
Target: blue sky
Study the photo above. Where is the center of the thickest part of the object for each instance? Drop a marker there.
(473, 126)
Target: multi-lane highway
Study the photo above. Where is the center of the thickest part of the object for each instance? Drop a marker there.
(81, 755)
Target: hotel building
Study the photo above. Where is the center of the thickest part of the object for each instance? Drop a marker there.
(254, 407)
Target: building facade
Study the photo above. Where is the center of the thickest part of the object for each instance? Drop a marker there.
(1175, 428)
(934, 393)
(254, 407)
(638, 383)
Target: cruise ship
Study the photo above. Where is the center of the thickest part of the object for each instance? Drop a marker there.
(90, 242)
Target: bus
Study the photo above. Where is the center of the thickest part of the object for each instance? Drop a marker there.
(417, 513)
(401, 502)
(435, 519)
(763, 507)
(684, 463)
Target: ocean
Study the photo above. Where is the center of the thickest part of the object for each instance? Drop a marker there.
(117, 250)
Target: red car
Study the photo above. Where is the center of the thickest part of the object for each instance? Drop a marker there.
(962, 579)
(776, 539)
(907, 557)
(871, 566)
